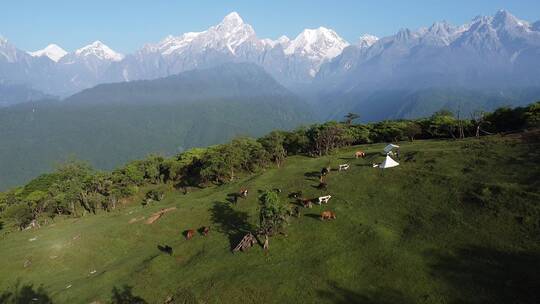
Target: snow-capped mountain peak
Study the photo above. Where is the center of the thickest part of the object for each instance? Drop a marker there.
(232, 19)
(99, 50)
(52, 51)
(320, 43)
(367, 40)
(503, 19)
(8, 51)
(172, 44)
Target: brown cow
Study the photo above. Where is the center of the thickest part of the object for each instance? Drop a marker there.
(327, 215)
(189, 234)
(243, 192)
(361, 154)
(307, 203)
(205, 230)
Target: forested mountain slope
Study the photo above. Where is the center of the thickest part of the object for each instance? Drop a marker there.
(111, 124)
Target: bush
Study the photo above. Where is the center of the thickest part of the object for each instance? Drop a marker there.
(155, 195)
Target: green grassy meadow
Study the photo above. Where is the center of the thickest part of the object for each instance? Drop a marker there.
(456, 222)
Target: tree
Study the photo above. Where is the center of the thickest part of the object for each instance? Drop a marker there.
(506, 119)
(272, 214)
(478, 118)
(443, 124)
(273, 144)
(296, 142)
(412, 130)
(389, 130)
(37, 202)
(70, 190)
(532, 115)
(327, 137)
(220, 162)
(349, 117)
(360, 134)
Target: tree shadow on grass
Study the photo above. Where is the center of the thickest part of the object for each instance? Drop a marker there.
(233, 197)
(313, 175)
(340, 295)
(313, 216)
(125, 296)
(484, 275)
(370, 155)
(25, 293)
(231, 222)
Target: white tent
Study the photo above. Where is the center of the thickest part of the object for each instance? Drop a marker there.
(389, 148)
(388, 163)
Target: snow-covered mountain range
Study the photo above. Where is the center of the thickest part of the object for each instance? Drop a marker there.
(232, 40)
(499, 50)
(488, 51)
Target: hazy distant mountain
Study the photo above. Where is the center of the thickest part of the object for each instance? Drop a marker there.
(488, 52)
(52, 70)
(499, 53)
(113, 123)
(491, 56)
(224, 82)
(13, 94)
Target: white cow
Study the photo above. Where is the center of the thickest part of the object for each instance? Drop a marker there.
(344, 167)
(324, 199)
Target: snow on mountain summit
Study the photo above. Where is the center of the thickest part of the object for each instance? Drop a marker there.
(99, 50)
(367, 40)
(232, 19)
(320, 43)
(226, 36)
(504, 18)
(52, 51)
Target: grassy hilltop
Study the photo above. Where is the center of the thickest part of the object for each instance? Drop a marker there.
(457, 221)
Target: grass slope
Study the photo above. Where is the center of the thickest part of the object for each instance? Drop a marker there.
(458, 221)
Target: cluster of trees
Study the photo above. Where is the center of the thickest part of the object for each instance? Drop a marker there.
(75, 189)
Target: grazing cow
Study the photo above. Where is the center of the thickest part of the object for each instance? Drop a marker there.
(359, 154)
(324, 199)
(205, 230)
(243, 192)
(328, 215)
(322, 186)
(167, 249)
(306, 203)
(325, 171)
(189, 234)
(344, 167)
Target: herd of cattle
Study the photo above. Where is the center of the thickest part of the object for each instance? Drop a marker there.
(304, 202)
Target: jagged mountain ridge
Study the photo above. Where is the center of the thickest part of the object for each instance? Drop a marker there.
(232, 40)
(488, 52)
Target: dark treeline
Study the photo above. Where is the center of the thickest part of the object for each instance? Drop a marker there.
(75, 189)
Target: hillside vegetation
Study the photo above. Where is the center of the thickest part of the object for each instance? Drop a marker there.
(457, 221)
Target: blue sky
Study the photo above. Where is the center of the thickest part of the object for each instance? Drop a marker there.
(126, 25)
